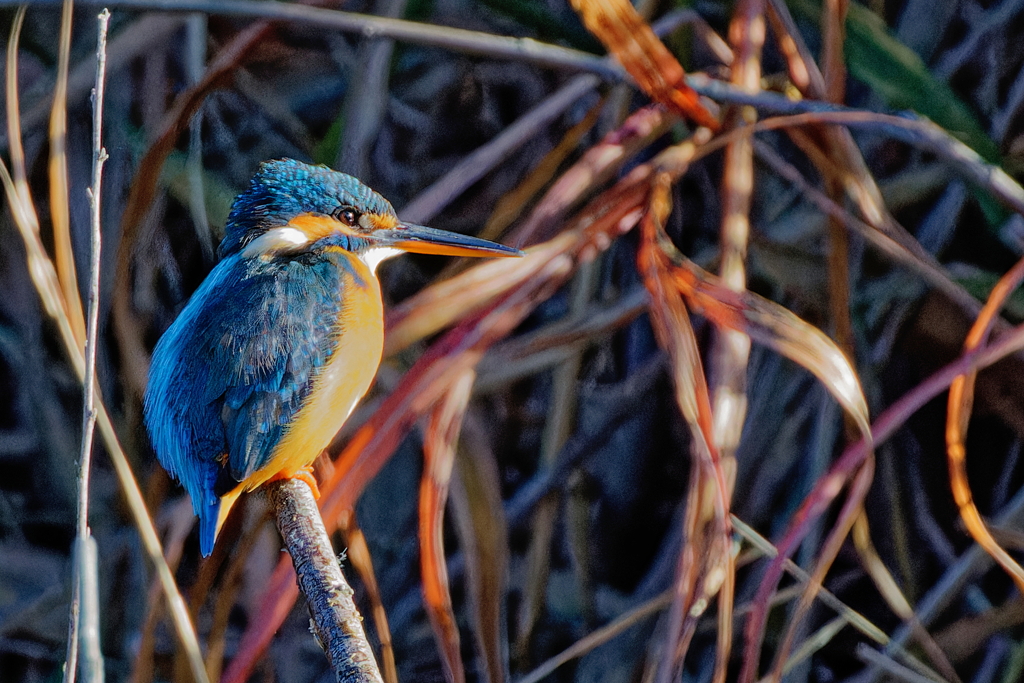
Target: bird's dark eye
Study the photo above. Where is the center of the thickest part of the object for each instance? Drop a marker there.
(347, 215)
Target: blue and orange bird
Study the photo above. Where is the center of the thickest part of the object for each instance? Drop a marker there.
(273, 351)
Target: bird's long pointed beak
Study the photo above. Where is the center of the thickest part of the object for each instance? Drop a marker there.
(420, 239)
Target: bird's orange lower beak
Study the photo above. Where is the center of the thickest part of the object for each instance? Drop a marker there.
(420, 239)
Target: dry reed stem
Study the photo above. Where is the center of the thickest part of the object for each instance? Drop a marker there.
(702, 566)
(478, 43)
(439, 443)
(730, 350)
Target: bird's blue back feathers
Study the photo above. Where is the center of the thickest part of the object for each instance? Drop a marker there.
(231, 373)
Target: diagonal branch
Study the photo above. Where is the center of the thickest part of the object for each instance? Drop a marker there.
(335, 622)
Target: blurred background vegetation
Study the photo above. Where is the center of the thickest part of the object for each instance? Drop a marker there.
(568, 504)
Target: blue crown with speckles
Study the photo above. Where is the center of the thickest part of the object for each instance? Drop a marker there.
(285, 188)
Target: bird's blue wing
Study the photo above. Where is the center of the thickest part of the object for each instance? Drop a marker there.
(293, 323)
(233, 370)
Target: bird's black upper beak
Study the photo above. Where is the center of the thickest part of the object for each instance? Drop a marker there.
(420, 239)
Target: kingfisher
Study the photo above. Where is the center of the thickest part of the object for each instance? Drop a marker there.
(284, 336)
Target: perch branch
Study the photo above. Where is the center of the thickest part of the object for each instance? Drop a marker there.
(336, 622)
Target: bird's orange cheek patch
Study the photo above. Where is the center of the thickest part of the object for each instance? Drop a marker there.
(373, 221)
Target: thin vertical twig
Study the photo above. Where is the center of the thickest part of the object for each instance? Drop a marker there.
(89, 628)
(46, 283)
(82, 539)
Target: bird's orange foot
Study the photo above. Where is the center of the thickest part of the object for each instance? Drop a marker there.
(304, 474)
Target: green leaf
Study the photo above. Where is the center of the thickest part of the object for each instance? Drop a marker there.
(876, 58)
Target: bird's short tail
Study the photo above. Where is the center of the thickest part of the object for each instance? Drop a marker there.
(212, 517)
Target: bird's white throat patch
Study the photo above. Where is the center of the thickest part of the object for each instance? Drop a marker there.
(373, 256)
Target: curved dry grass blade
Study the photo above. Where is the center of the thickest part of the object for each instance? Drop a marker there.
(708, 493)
(671, 323)
(477, 510)
(60, 214)
(359, 555)
(44, 279)
(134, 358)
(774, 326)
(439, 444)
(20, 178)
(961, 398)
(618, 25)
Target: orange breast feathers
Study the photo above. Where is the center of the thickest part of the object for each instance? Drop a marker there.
(341, 382)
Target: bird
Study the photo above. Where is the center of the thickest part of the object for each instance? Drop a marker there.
(281, 340)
